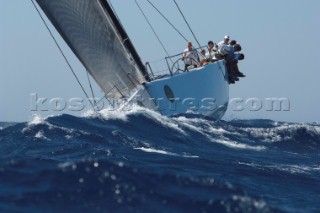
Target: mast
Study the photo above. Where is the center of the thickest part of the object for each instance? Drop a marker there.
(125, 38)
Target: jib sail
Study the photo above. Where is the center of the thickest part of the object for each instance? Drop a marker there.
(92, 31)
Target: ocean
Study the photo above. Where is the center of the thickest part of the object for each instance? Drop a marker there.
(144, 162)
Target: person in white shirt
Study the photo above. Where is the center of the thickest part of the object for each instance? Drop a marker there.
(224, 48)
(212, 50)
(225, 41)
(209, 56)
(190, 56)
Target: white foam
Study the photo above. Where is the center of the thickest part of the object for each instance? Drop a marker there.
(152, 150)
(68, 137)
(233, 144)
(300, 169)
(247, 164)
(221, 131)
(89, 113)
(36, 120)
(40, 135)
(259, 204)
(165, 121)
(293, 169)
(222, 139)
(111, 114)
(193, 124)
(189, 156)
(190, 123)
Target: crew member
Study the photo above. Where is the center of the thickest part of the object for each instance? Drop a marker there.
(190, 57)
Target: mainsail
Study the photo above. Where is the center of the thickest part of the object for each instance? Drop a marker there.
(92, 31)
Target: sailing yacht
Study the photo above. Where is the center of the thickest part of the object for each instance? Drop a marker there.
(95, 35)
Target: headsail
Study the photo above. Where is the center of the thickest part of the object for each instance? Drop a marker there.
(91, 31)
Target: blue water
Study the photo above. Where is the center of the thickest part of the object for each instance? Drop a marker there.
(145, 162)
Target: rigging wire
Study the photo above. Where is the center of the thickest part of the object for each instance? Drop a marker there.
(64, 56)
(92, 93)
(187, 23)
(144, 15)
(167, 20)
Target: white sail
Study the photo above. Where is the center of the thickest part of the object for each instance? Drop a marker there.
(91, 32)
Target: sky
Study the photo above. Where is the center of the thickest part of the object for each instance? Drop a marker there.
(278, 37)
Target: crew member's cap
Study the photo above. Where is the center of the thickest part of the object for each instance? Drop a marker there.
(227, 37)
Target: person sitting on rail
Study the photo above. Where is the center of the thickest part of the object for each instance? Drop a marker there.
(212, 50)
(236, 57)
(223, 48)
(227, 49)
(230, 51)
(225, 41)
(190, 57)
(210, 55)
(232, 58)
(204, 60)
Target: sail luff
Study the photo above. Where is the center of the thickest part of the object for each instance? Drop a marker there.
(125, 38)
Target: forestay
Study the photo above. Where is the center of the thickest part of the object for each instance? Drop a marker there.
(92, 35)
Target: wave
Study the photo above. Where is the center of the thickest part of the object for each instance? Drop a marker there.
(187, 130)
(143, 162)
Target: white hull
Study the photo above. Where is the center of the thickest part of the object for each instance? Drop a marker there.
(203, 90)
